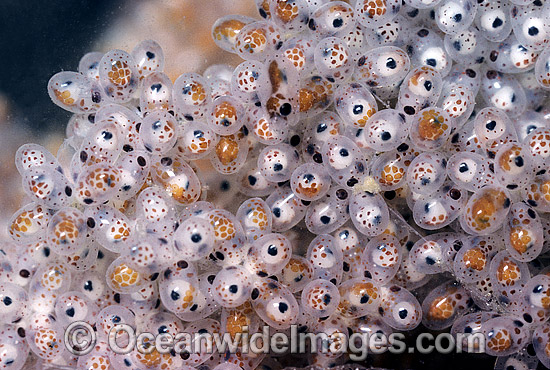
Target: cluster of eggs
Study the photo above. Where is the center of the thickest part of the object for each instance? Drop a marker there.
(367, 149)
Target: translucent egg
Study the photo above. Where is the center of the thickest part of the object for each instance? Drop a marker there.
(156, 93)
(149, 58)
(453, 16)
(75, 92)
(287, 209)
(372, 14)
(399, 308)
(504, 335)
(493, 20)
(381, 258)
(426, 173)
(268, 255)
(334, 18)
(320, 298)
(426, 48)
(194, 239)
(232, 286)
(443, 305)
(226, 29)
(354, 104)
(191, 95)
(257, 40)
(310, 181)
(277, 162)
(383, 66)
(430, 128)
(369, 213)
(333, 59)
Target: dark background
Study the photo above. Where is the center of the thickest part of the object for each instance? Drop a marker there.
(39, 38)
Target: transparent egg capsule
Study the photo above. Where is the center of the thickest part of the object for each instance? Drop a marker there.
(226, 29)
(45, 342)
(426, 173)
(369, 213)
(124, 135)
(430, 255)
(253, 183)
(320, 298)
(177, 178)
(14, 348)
(504, 335)
(28, 224)
(472, 261)
(421, 86)
(156, 93)
(537, 193)
(267, 130)
(282, 104)
(47, 186)
(535, 302)
(326, 258)
(67, 231)
(493, 20)
(52, 277)
(291, 15)
(75, 306)
(542, 68)
(513, 166)
(510, 56)
(133, 168)
(310, 181)
(232, 286)
(277, 162)
(508, 276)
(118, 75)
(257, 40)
(541, 343)
(493, 127)
(504, 92)
(122, 278)
(426, 48)
(339, 155)
(469, 171)
(89, 65)
(287, 209)
(333, 59)
(523, 233)
(444, 304)
(389, 33)
(328, 213)
(226, 226)
(111, 228)
(382, 66)
(469, 78)
(459, 103)
(97, 184)
(358, 297)
(230, 153)
(314, 96)
(388, 170)
(466, 47)
(33, 156)
(191, 94)
(537, 142)
(333, 18)
(111, 316)
(13, 301)
(75, 92)
(421, 4)
(247, 81)
(381, 258)
(255, 217)
(194, 239)
(204, 304)
(348, 239)
(196, 351)
(438, 210)
(149, 58)
(399, 308)
(158, 132)
(467, 326)
(354, 104)
(430, 128)
(177, 289)
(519, 360)
(296, 274)
(486, 210)
(319, 130)
(453, 16)
(268, 255)
(530, 24)
(274, 304)
(226, 115)
(373, 14)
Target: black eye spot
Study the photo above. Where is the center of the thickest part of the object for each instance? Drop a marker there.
(277, 167)
(391, 63)
(364, 299)
(385, 136)
(283, 307)
(337, 23)
(344, 152)
(403, 147)
(272, 250)
(325, 219)
(430, 261)
(106, 135)
(68, 191)
(531, 213)
(70, 312)
(255, 293)
(285, 109)
(423, 32)
(357, 109)
(341, 194)
(90, 222)
(518, 161)
(252, 180)
(431, 62)
(295, 140)
(497, 22)
(409, 110)
(454, 194)
(428, 85)
(277, 212)
(24, 273)
(403, 313)
(457, 45)
(470, 73)
(463, 167)
(83, 156)
(533, 31)
(233, 289)
(141, 161)
(174, 295)
(457, 17)
(352, 182)
(88, 286)
(7, 301)
(491, 125)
